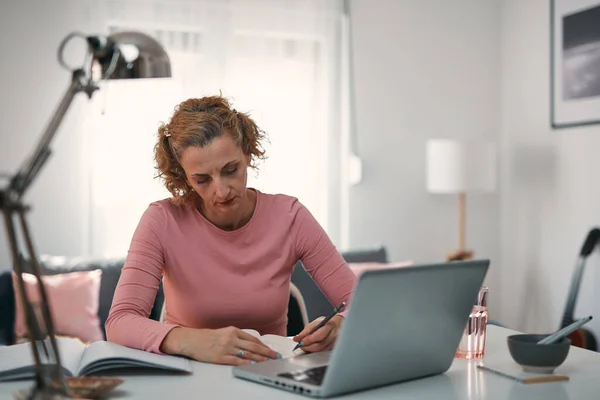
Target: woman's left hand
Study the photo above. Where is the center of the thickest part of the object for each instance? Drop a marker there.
(324, 338)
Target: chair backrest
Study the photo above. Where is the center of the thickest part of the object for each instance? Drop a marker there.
(316, 303)
(297, 313)
(377, 254)
(163, 311)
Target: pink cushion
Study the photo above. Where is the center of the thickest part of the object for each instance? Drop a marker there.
(74, 301)
(359, 268)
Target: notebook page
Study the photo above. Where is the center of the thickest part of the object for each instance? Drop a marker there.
(252, 332)
(281, 344)
(19, 357)
(103, 355)
(71, 351)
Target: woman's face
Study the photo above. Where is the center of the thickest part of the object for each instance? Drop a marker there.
(218, 172)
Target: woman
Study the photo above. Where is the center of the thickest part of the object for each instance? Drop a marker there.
(226, 251)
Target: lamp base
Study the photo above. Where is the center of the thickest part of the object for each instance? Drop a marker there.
(459, 255)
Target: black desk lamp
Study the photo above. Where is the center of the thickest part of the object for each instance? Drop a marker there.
(123, 55)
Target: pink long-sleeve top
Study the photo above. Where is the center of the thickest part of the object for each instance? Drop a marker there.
(215, 278)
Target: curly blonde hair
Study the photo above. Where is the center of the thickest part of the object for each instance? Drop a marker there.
(197, 122)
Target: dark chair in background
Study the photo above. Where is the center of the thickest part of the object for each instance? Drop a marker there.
(316, 303)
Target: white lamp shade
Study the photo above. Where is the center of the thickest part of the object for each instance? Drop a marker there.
(459, 167)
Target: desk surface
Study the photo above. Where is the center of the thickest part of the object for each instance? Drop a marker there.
(461, 381)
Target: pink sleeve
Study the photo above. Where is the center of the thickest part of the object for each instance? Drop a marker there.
(128, 322)
(322, 261)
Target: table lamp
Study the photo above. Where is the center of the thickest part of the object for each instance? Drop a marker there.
(460, 167)
(122, 55)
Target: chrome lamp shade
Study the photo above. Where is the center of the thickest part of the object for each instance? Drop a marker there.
(130, 55)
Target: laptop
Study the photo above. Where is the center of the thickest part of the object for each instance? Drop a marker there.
(402, 324)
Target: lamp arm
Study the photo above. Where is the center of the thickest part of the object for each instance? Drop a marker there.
(32, 166)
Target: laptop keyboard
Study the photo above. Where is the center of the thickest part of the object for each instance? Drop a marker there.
(313, 375)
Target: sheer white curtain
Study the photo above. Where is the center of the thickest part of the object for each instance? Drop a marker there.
(277, 59)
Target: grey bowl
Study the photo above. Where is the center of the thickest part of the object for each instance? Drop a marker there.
(538, 358)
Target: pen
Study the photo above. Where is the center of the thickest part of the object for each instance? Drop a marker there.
(566, 331)
(322, 323)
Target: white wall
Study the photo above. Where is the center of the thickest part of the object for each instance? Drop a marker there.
(550, 192)
(31, 83)
(423, 69)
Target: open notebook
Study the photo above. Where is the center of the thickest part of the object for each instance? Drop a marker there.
(79, 359)
(281, 344)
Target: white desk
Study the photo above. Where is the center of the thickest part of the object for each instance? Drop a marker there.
(462, 382)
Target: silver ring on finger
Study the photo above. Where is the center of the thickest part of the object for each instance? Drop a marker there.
(240, 353)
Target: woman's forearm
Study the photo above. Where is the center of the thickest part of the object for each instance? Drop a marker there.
(176, 342)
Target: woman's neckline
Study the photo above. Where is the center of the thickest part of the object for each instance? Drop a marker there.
(241, 228)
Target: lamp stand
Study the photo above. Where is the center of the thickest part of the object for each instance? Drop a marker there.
(49, 377)
(461, 253)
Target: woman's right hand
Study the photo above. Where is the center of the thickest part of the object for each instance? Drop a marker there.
(230, 345)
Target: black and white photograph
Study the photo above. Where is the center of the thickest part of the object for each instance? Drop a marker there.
(575, 78)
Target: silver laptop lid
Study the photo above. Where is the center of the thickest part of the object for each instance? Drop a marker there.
(403, 323)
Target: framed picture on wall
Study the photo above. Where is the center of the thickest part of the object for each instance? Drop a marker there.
(575, 62)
